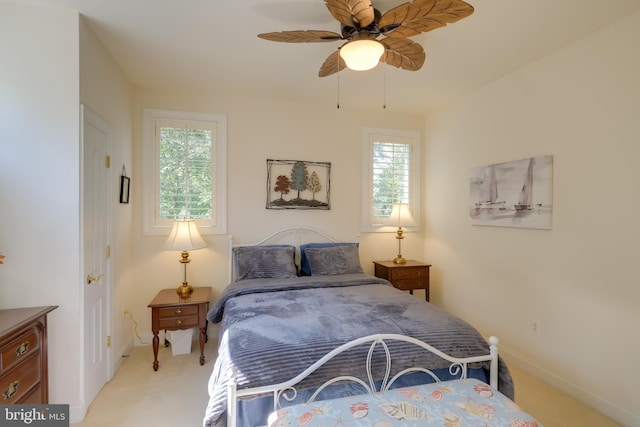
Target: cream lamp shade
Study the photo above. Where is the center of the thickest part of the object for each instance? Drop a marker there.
(362, 54)
(401, 216)
(184, 237)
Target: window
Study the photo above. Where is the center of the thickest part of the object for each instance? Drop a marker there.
(391, 174)
(184, 170)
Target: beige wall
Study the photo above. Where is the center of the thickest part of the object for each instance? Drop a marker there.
(39, 180)
(580, 105)
(57, 65)
(260, 129)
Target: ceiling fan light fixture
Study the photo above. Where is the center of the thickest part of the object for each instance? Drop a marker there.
(361, 55)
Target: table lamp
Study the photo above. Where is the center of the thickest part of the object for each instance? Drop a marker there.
(402, 217)
(184, 237)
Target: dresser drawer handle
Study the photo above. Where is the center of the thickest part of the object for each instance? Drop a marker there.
(24, 347)
(178, 322)
(13, 389)
(178, 311)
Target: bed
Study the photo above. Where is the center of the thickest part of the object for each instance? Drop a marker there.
(298, 295)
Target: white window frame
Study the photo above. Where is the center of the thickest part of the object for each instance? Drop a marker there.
(369, 136)
(151, 225)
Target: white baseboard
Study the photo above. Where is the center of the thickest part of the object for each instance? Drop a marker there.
(118, 358)
(621, 415)
(77, 413)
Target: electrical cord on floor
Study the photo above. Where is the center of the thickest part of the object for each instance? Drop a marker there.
(135, 327)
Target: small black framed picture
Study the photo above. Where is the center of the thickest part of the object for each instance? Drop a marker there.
(125, 184)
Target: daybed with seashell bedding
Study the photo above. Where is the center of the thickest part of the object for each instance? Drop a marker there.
(298, 295)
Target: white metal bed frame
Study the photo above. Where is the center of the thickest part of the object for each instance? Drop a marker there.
(287, 390)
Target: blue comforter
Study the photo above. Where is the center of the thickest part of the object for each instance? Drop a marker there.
(272, 329)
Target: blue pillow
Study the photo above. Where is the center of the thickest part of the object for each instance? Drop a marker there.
(328, 261)
(264, 262)
(305, 269)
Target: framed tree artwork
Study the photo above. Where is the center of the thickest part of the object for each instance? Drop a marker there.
(298, 184)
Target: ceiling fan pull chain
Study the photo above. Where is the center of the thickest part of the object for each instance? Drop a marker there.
(384, 86)
(338, 95)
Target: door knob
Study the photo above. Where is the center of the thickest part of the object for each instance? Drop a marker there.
(91, 278)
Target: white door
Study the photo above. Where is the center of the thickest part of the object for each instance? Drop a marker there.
(95, 236)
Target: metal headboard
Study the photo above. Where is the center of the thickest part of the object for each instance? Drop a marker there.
(295, 236)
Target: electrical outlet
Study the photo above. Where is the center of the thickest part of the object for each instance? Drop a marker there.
(535, 326)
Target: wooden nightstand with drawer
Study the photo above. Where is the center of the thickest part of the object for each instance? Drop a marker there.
(171, 313)
(407, 277)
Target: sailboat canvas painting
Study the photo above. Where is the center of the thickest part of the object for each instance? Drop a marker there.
(513, 194)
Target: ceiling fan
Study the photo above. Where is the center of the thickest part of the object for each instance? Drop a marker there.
(362, 25)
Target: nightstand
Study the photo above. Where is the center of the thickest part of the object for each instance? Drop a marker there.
(171, 313)
(407, 277)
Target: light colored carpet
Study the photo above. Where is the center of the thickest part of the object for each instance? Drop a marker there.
(552, 407)
(176, 395)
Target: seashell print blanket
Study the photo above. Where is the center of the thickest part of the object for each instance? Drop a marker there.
(455, 403)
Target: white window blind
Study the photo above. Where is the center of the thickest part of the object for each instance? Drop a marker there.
(391, 174)
(186, 166)
(184, 171)
(391, 167)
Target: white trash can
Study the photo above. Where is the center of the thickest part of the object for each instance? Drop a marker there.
(180, 341)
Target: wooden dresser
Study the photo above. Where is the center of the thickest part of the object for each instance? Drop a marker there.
(23, 355)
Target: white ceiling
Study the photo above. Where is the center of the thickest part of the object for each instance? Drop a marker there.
(211, 46)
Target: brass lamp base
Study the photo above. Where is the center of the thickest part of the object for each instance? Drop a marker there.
(184, 291)
(399, 236)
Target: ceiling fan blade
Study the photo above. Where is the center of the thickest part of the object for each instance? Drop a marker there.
(403, 53)
(333, 64)
(301, 36)
(353, 13)
(420, 16)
